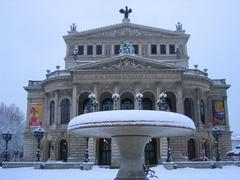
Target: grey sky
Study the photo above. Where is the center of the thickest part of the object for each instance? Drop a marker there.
(31, 37)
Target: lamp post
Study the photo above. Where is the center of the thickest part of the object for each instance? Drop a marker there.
(163, 106)
(168, 151)
(115, 97)
(204, 149)
(38, 134)
(216, 132)
(7, 136)
(139, 97)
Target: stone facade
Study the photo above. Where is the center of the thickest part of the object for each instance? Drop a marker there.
(160, 64)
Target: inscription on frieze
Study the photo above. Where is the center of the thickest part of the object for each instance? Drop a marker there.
(126, 31)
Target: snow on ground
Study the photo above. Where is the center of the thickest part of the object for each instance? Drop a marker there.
(97, 173)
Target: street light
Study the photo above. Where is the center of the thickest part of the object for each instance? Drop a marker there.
(139, 97)
(115, 97)
(93, 103)
(163, 106)
(216, 132)
(7, 136)
(168, 151)
(38, 133)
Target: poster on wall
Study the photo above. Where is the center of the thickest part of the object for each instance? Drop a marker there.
(36, 114)
(218, 112)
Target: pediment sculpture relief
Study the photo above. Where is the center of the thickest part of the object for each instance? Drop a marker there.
(127, 64)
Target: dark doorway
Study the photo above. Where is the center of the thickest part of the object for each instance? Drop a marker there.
(63, 150)
(151, 152)
(105, 151)
(191, 149)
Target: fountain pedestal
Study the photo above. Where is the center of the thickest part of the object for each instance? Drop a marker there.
(131, 150)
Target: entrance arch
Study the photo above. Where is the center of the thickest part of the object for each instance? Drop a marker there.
(151, 152)
(191, 149)
(63, 150)
(104, 151)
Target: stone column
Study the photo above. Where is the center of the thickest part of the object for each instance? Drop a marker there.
(179, 99)
(115, 160)
(209, 110)
(45, 120)
(74, 101)
(56, 112)
(167, 49)
(28, 110)
(85, 50)
(163, 149)
(94, 50)
(92, 150)
(103, 50)
(226, 113)
(197, 109)
(158, 91)
(95, 91)
(140, 49)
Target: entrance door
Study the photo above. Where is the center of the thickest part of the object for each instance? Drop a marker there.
(151, 152)
(104, 151)
(63, 150)
(191, 149)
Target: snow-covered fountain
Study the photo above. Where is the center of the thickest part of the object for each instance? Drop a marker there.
(131, 130)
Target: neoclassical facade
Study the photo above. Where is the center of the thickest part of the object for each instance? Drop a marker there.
(100, 61)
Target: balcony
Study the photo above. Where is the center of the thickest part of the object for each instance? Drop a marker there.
(58, 73)
(195, 72)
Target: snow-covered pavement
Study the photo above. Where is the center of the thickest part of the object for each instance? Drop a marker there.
(97, 173)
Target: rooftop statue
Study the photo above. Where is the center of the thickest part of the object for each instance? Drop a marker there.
(126, 12)
(73, 27)
(126, 48)
(179, 27)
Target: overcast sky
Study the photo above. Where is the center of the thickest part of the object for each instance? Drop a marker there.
(31, 37)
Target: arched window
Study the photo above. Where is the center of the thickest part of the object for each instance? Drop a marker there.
(107, 105)
(52, 112)
(65, 111)
(147, 104)
(202, 111)
(127, 104)
(189, 108)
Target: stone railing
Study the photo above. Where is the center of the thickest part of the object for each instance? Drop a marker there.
(219, 82)
(196, 72)
(58, 73)
(34, 83)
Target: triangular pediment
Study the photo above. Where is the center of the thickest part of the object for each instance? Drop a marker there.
(127, 29)
(126, 63)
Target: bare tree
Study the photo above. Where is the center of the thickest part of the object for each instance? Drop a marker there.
(11, 118)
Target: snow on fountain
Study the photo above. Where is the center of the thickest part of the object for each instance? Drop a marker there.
(131, 130)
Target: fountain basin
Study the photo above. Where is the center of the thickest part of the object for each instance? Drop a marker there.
(131, 130)
(131, 122)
